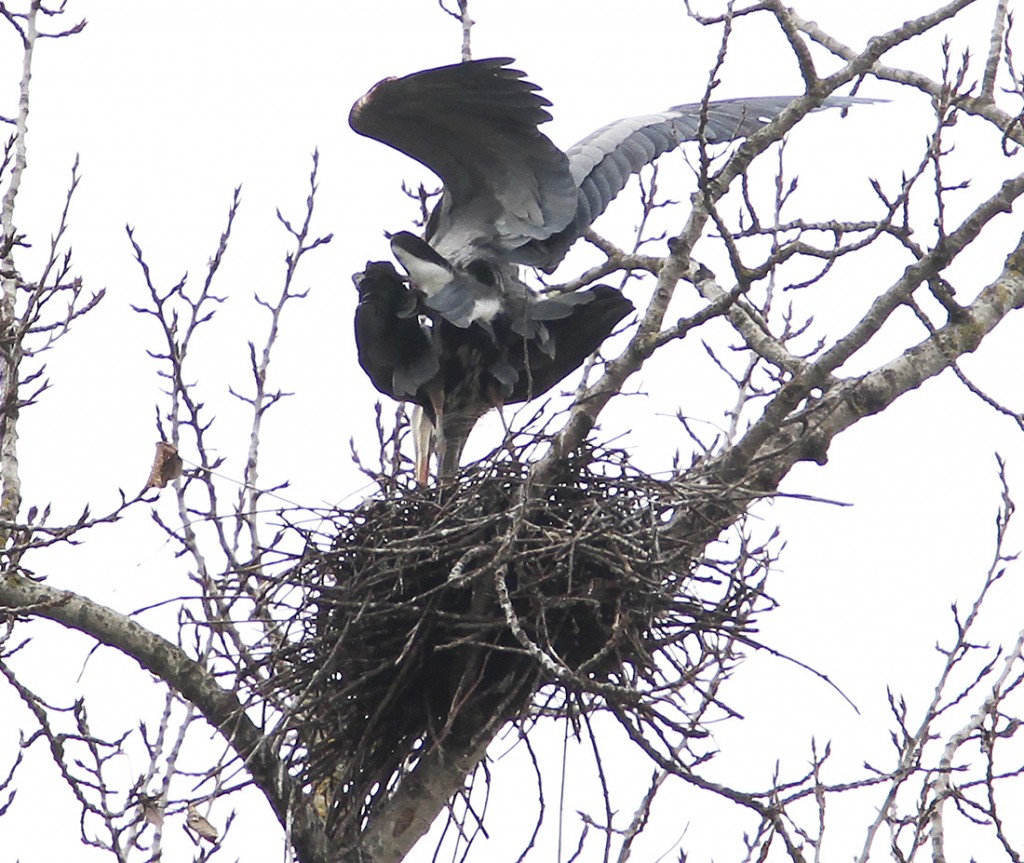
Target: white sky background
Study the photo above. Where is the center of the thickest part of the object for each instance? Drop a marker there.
(171, 105)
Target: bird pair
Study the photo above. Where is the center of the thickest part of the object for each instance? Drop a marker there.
(459, 346)
(468, 334)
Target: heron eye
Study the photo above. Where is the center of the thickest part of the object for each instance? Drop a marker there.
(482, 271)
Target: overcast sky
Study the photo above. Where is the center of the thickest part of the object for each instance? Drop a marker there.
(171, 105)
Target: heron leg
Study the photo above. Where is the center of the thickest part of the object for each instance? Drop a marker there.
(449, 450)
(453, 428)
(422, 442)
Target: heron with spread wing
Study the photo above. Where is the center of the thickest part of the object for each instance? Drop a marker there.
(464, 333)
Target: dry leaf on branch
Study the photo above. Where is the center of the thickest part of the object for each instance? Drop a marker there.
(152, 809)
(166, 465)
(200, 825)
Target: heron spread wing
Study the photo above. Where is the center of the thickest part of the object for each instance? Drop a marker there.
(602, 163)
(574, 336)
(475, 126)
(508, 191)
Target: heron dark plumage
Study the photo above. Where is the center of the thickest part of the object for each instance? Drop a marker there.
(469, 334)
(456, 373)
(394, 348)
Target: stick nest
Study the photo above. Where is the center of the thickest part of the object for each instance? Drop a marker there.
(431, 617)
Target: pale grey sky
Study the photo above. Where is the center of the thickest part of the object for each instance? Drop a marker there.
(170, 105)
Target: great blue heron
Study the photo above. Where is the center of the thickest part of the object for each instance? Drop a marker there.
(468, 333)
(455, 374)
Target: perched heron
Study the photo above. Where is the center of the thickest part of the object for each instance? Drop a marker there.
(467, 334)
(454, 374)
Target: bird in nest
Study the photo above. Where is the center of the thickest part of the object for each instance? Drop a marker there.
(462, 333)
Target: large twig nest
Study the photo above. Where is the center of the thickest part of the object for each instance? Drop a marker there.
(434, 616)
